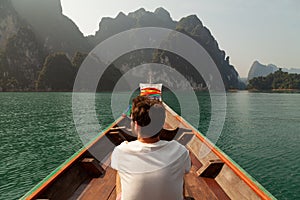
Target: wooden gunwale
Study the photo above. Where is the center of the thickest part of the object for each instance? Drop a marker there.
(251, 182)
(41, 186)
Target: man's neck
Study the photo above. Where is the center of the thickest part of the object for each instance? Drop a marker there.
(148, 140)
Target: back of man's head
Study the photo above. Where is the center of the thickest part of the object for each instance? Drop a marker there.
(149, 114)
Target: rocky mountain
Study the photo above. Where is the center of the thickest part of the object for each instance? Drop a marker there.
(33, 30)
(54, 31)
(21, 53)
(193, 27)
(140, 18)
(190, 25)
(29, 31)
(257, 69)
(8, 22)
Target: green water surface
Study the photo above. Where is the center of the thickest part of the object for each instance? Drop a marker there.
(261, 133)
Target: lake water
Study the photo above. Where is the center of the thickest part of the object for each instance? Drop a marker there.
(261, 133)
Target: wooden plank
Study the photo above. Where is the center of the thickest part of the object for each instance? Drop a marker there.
(201, 188)
(195, 161)
(167, 126)
(234, 186)
(216, 189)
(80, 190)
(113, 195)
(171, 121)
(197, 188)
(74, 177)
(102, 187)
(92, 167)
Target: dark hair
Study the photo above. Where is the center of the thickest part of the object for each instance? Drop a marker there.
(149, 114)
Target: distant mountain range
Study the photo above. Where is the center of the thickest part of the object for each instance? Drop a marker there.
(33, 30)
(257, 69)
(140, 18)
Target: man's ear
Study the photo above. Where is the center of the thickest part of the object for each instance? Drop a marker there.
(137, 128)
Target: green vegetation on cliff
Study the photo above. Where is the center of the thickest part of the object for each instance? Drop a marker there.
(57, 74)
(20, 61)
(278, 80)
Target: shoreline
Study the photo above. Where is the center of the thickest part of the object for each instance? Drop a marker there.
(227, 91)
(275, 91)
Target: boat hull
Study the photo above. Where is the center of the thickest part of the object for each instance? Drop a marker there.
(87, 174)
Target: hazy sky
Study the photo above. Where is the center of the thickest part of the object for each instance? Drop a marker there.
(263, 30)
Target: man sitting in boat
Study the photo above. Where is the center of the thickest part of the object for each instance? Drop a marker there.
(150, 168)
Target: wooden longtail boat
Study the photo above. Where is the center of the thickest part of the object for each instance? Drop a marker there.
(88, 176)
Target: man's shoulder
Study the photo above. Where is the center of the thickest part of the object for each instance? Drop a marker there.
(122, 145)
(127, 144)
(133, 146)
(175, 143)
(138, 147)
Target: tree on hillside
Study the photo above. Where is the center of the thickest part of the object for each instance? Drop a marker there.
(24, 55)
(277, 80)
(78, 58)
(5, 81)
(57, 73)
(3, 66)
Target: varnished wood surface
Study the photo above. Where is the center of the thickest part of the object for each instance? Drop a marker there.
(100, 188)
(202, 188)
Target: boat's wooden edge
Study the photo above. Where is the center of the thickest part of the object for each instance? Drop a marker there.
(248, 179)
(41, 186)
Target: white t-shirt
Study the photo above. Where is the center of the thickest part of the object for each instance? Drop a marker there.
(151, 171)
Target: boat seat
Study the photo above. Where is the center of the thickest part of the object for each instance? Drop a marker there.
(201, 188)
(210, 169)
(168, 134)
(102, 187)
(92, 167)
(117, 135)
(185, 137)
